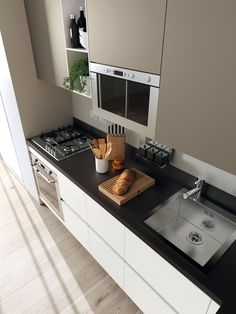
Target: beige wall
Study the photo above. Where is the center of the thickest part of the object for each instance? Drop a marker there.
(215, 176)
(41, 106)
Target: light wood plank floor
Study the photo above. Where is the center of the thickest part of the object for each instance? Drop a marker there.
(43, 268)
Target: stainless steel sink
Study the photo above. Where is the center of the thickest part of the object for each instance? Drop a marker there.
(202, 232)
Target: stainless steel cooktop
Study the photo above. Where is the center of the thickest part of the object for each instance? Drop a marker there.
(63, 142)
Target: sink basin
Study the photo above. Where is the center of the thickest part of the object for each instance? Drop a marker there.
(200, 231)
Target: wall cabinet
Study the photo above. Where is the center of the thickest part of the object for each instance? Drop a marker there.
(128, 34)
(49, 22)
(47, 36)
(196, 110)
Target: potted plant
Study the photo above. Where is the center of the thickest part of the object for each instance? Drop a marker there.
(79, 72)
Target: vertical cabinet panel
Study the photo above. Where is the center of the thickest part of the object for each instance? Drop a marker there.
(76, 226)
(174, 287)
(107, 258)
(197, 98)
(109, 228)
(128, 34)
(148, 301)
(47, 36)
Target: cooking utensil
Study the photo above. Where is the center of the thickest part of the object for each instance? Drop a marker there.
(103, 148)
(109, 149)
(101, 141)
(97, 152)
(95, 143)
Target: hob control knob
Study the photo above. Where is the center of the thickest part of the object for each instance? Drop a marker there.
(148, 79)
(131, 75)
(106, 70)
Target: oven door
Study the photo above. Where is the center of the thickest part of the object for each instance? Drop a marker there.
(126, 98)
(48, 189)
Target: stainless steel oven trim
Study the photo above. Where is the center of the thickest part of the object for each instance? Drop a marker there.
(36, 168)
(148, 130)
(130, 75)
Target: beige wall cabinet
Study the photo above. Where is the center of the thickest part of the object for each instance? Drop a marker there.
(127, 34)
(196, 111)
(47, 35)
(49, 22)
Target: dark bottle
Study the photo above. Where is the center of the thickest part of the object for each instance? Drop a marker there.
(74, 33)
(82, 20)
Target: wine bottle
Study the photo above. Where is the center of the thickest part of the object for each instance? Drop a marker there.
(82, 20)
(74, 33)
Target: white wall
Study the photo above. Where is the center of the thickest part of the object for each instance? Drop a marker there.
(214, 176)
(41, 106)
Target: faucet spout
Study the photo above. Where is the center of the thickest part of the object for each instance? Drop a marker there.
(196, 192)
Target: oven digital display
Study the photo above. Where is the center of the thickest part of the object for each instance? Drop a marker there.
(118, 73)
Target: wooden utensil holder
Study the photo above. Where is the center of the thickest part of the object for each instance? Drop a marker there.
(118, 147)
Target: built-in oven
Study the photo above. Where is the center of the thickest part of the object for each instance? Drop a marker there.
(126, 97)
(47, 186)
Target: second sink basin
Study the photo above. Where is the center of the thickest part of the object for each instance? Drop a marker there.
(198, 230)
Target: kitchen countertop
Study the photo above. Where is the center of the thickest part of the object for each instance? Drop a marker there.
(219, 282)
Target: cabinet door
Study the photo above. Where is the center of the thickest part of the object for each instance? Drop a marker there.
(107, 258)
(174, 287)
(196, 111)
(108, 227)
(47, 36)
(72, 195)
(76, 226)
(127, 34)
(144, 296)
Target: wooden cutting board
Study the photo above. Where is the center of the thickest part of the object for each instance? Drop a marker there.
(141, 183)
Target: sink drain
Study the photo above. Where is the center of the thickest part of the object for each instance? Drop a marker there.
(194, 237)
(208, 224)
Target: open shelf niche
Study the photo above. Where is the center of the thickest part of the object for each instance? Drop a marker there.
(72, 7)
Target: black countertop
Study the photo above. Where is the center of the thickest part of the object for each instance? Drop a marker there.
(219, 282)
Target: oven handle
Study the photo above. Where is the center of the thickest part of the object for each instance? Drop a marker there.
(43, 176)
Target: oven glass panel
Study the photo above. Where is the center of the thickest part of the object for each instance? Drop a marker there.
(111, 94)
(138, 102)
(48, 192)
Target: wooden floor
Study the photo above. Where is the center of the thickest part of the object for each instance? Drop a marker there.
(43, 268)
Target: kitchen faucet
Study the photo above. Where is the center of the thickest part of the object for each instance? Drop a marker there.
(196, 192)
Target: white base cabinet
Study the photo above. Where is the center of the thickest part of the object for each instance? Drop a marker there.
(76, 226)
(174, 287)
(143, 295)
(148, 279)
(107, 258)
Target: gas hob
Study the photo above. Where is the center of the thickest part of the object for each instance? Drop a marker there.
(63, 142)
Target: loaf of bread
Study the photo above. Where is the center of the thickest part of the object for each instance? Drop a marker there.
(124, 182)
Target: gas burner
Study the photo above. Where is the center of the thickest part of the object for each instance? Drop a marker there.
(63, 143)
(68, 149)
(52, 137)
(82, 140)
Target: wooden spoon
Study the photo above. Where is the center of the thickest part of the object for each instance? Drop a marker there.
(97, 152)
(101, 141)
(109, 149)
(103, 148)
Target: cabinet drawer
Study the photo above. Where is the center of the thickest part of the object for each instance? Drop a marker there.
(109, 228)
(73, 196)
(76, 226)
(107, 258)
(174, 287)
(213, 308)
(148, 301)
